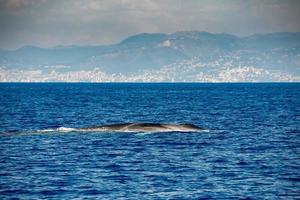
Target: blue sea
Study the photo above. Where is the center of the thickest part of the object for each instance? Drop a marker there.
(251, 149)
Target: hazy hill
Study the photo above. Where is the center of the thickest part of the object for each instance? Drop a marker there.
(186, 52)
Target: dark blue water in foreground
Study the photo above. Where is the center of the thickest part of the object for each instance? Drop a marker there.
(252, 150)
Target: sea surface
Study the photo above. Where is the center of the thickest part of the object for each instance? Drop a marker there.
(251, 149)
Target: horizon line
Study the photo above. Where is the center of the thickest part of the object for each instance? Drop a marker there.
(83, 82)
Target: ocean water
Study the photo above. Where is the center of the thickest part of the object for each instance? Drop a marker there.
(251, 151)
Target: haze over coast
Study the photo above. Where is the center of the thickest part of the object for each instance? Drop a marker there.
(186, 56)
(149, 41)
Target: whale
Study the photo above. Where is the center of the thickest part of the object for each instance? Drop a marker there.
(145, 127)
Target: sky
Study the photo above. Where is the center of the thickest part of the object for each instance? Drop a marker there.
(48, 23)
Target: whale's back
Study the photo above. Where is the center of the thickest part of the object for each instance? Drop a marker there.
(146, 127)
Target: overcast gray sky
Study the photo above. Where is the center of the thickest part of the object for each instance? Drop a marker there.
(49, 23)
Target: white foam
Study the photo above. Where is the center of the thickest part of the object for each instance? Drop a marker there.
(205, 130)
(45, 130)
(66, 129)
(60, 129)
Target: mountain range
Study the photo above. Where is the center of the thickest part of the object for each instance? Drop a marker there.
(184, 56)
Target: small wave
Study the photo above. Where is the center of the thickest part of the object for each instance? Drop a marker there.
(60, 129)
(205, 130)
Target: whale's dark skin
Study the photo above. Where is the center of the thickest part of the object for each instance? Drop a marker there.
(145, 127)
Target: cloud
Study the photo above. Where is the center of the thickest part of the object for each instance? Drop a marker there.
(65, 22)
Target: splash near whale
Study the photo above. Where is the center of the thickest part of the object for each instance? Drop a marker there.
(145, 127)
